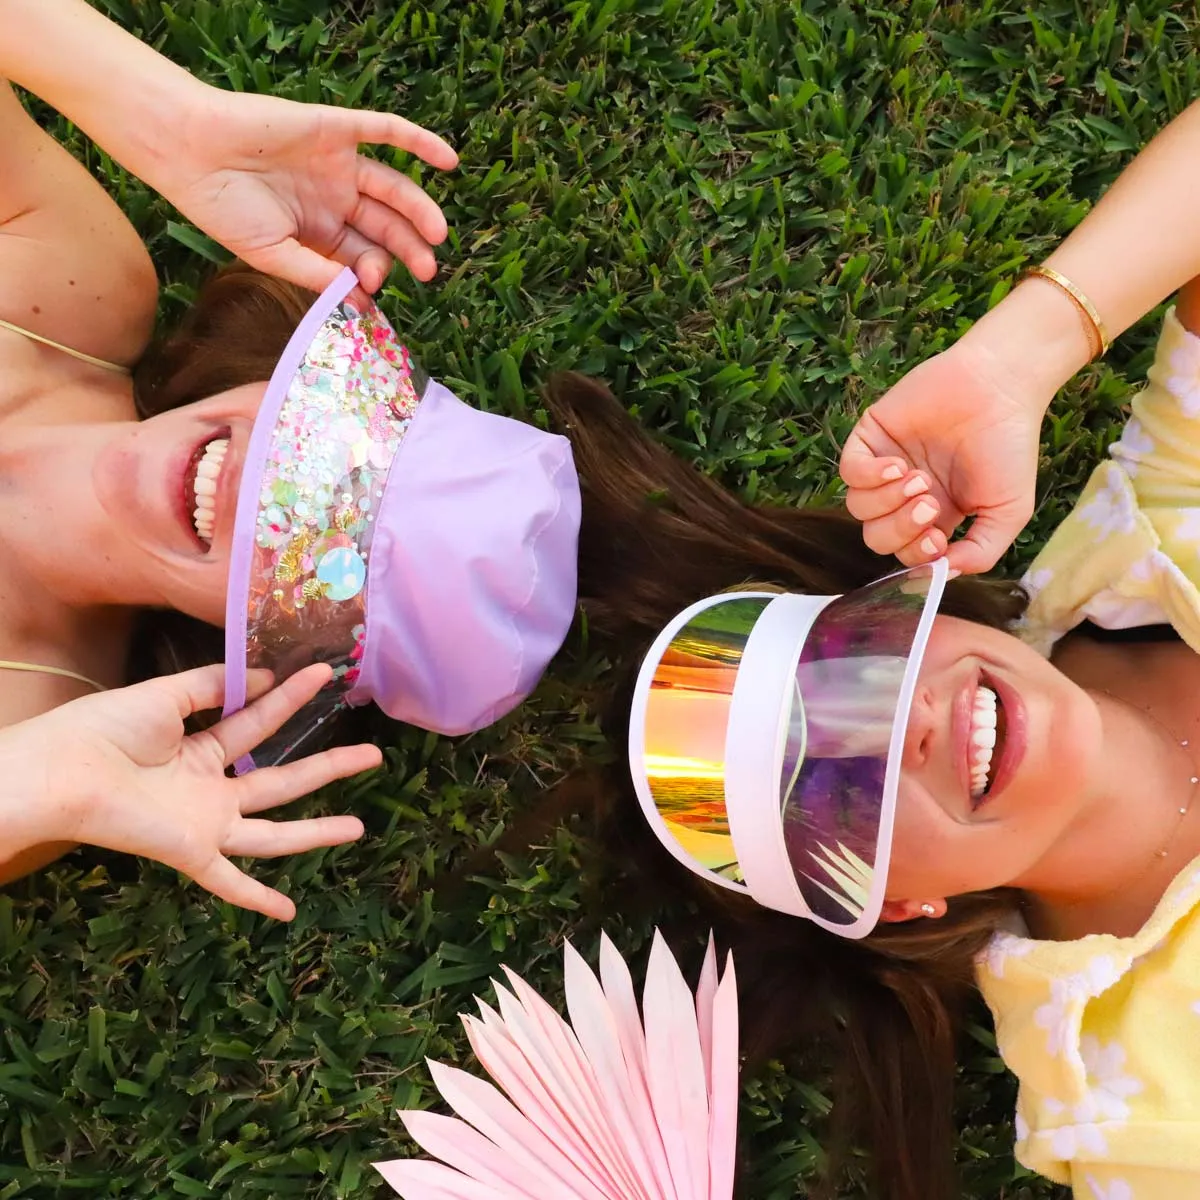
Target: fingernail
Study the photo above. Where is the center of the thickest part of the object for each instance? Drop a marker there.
(893, 473)
(924, 512)
(915, 486)
(952, 572)
(928, 546)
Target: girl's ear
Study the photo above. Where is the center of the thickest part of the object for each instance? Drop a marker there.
(894, 911)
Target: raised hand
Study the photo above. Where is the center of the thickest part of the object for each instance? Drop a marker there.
(118, 770)
(283, 186)
(952, 439)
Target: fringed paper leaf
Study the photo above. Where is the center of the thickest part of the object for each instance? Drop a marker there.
(616, 1105)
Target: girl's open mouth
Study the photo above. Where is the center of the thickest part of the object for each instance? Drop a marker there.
(985, 740)
(200, 486)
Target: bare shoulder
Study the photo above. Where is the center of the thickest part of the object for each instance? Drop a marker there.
(72, 268)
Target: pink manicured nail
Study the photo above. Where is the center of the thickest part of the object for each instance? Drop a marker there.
(924, 512)
(915, 486)
(892, 473)
(928, 546)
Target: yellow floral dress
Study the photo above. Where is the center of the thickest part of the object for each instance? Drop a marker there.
(1104, 1032)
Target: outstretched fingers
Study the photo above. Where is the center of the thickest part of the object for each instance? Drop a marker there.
(239, 733)
(256, 838)
(272, 786)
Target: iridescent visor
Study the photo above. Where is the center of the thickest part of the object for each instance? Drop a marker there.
(844, 740)
(686, 717)
(766, 737)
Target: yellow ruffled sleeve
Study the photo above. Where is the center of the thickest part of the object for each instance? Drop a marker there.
(1099, 1033)
(1129, 552)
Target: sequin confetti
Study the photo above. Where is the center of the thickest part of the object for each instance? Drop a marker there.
(344, 417)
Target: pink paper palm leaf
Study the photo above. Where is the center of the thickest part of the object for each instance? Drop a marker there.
(616, 1105)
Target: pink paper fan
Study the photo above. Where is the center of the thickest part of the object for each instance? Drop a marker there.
(613, 1106)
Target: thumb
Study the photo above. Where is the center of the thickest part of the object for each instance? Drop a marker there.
(861, 467)
(297, 264)
(990, 535)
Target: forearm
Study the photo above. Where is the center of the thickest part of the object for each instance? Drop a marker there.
(1139, 245)
(121, 93)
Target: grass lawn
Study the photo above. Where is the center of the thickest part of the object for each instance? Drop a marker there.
(750, 216)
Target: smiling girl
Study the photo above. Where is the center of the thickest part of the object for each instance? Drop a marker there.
(885, 795)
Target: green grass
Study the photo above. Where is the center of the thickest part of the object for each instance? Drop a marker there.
(750, 216)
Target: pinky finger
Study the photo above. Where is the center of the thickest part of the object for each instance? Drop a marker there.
(369, 261)
(227, 882)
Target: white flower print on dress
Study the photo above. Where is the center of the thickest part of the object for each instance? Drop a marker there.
(1110, 509)
(1116, 1189)
(999, 950)
(1187, 528)
(1108, 1087)
(1105, 1101)
(1134, 444)
(1183, 382)
(1036, 580)
(1150, 567)
(1059, 1015)
(1020, 1127)
(1183, 892)
(1079, 1139)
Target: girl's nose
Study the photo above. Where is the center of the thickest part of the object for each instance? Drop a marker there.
(919, 736)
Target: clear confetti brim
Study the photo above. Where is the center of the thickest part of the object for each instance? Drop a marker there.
(766, 739)
(336, 410)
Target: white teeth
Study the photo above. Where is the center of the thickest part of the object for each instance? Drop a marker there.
(208, 471)
(982, 738)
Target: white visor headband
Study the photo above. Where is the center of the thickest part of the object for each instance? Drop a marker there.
(766, 737)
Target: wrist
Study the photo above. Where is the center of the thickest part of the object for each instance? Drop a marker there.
(34, 810)
(1033, 341)
(122, 93)
(153, 149)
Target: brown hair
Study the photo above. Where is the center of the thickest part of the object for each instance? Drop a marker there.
(657, 535)
(233, 335)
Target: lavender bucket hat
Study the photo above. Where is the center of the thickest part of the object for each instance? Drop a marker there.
(426, 549)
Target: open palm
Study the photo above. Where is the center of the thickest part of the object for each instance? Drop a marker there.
(136, 782)
(283, 186)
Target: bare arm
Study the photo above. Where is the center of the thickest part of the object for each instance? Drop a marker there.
(1138, 245)
(280, 184)
(967, 420)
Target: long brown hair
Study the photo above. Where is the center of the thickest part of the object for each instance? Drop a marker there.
(233, 335)
(658, 535)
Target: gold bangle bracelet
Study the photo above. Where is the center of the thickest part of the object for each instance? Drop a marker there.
(1082, 303)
